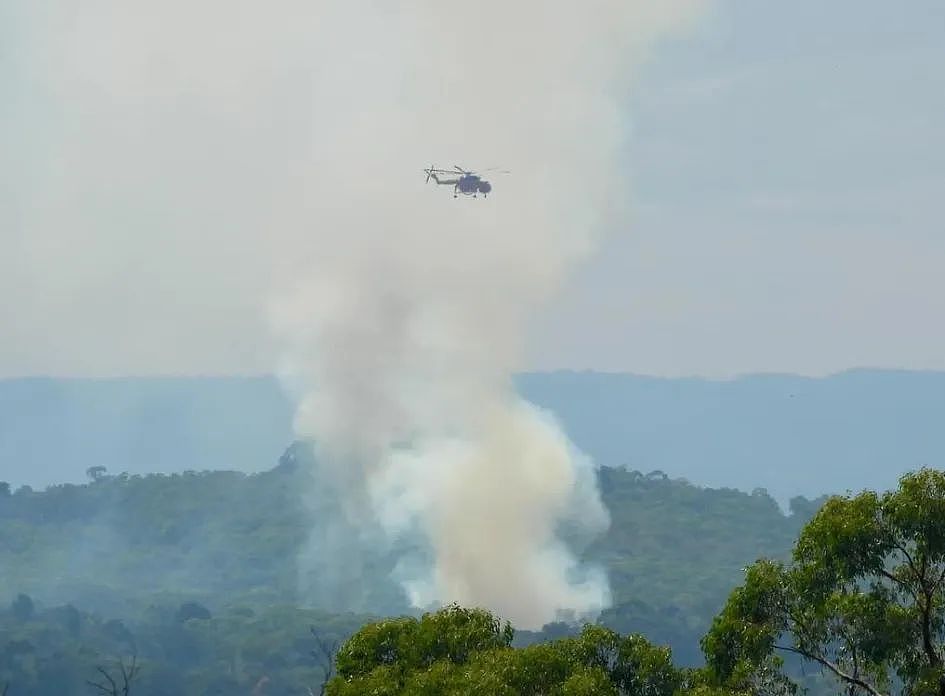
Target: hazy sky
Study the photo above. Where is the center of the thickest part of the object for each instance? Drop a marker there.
(787, 164)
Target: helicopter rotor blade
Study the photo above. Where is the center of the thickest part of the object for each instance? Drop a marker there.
(433, 170)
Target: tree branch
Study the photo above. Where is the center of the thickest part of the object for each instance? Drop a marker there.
(925, 603)
(938, 582)
(925, 606)
(851, 646)
(902, 583)
(848, 678)
(111, 689)
(101, 687)
(910, 560)
(930, 652)
(128, 675)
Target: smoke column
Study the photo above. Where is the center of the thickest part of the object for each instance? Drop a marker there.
(404, 331)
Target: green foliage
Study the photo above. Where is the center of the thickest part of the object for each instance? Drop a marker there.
(398, 647)
(224, 548)
(864, 597)
(468, 651)
(672, 552)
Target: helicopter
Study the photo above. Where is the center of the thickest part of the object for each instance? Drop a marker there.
(462, 181)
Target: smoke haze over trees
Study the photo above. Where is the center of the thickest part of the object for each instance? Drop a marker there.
(674, 553)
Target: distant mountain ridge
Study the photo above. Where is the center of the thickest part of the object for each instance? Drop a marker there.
(788, 434)
(52, 430)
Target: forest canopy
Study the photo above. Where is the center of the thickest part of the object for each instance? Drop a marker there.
(229, 615)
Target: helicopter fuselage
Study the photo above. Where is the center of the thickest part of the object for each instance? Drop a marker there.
(471, 184)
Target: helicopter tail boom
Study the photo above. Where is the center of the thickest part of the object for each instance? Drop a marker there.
(433, 174)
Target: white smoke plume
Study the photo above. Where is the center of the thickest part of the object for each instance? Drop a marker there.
(404, 332)
(236, 186)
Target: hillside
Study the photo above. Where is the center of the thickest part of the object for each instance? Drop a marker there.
(118, 545)
(791, 435)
